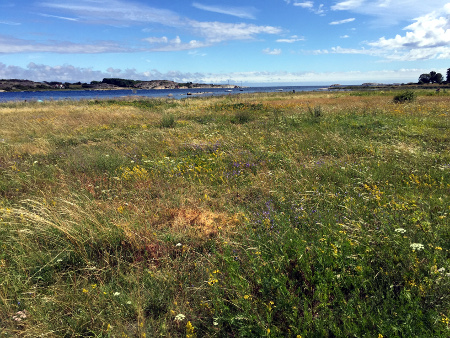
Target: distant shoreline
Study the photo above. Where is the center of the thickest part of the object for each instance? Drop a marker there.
(390, 86)
(14, 85)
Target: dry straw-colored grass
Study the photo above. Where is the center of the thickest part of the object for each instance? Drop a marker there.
(26, 127)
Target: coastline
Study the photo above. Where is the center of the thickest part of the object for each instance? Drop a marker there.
(15, 85)
(89, 94)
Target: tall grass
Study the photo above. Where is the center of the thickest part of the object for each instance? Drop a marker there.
(251, 216)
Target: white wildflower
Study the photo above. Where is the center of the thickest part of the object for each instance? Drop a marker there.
(180, 317)
(115, 294)
(416, 246)
(400, 230)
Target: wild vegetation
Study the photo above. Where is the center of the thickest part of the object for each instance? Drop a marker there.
(263, 215)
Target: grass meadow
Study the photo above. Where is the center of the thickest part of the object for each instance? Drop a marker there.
(308, 214)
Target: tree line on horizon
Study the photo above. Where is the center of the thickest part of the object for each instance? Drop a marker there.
(434, 77)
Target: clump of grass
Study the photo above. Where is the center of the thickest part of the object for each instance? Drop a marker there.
(243, 112)
(315, 113)
(241, 117)
(406, 96)
(168, 121)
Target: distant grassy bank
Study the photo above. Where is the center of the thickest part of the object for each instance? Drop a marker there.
(258, 215)
(397, 87)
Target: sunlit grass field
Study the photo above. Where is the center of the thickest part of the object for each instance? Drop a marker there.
(262, 215)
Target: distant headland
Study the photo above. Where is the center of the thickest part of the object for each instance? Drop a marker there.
(105, 84)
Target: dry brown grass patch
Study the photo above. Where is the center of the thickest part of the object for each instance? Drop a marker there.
(200, 224)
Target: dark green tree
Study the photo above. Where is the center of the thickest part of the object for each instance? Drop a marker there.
(437, 78)
(424, 78)
(432, 77)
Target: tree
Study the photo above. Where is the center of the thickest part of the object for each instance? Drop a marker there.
(432, 77)
(448, 75)
(424, 78)
(120, 82)
(437, 78)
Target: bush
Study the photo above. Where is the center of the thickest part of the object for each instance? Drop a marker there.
(241, 117)
(315, 113)
(168, 121)
(407, 96)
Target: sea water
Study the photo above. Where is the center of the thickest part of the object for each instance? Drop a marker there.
(150, 93)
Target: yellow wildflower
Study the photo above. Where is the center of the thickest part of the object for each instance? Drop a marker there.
(190, 330)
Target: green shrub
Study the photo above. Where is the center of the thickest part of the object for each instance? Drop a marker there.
(406, 96)
(315, 113)
(241, 117)
(168, 121)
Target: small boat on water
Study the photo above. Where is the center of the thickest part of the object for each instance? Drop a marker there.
(279, 90)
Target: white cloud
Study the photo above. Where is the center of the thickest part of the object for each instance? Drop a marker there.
(419, 54)
(306, 4)
(384, 3)
(427, 38)
(196, 53)
(120, 12)
(34, 72)
(310, 6)
(177, 45)
(10, 45)
(212, 32)
(340, 22)
(10, 23)
(292, 39)
(389, 12)
(340, 50)
(347, 5)
(69, 73)
(163, 44)
(344, 36)
(324, 78)
(320, 10)
(218, 31)
(163, 39)
(58, 17)
(240, 12)
(269, 51)
(115, 11)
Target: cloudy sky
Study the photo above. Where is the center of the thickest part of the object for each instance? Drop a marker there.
(295, 42)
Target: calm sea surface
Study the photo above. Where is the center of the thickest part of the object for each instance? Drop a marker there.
(109, 94)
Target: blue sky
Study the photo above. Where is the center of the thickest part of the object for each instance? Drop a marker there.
(296, 42)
